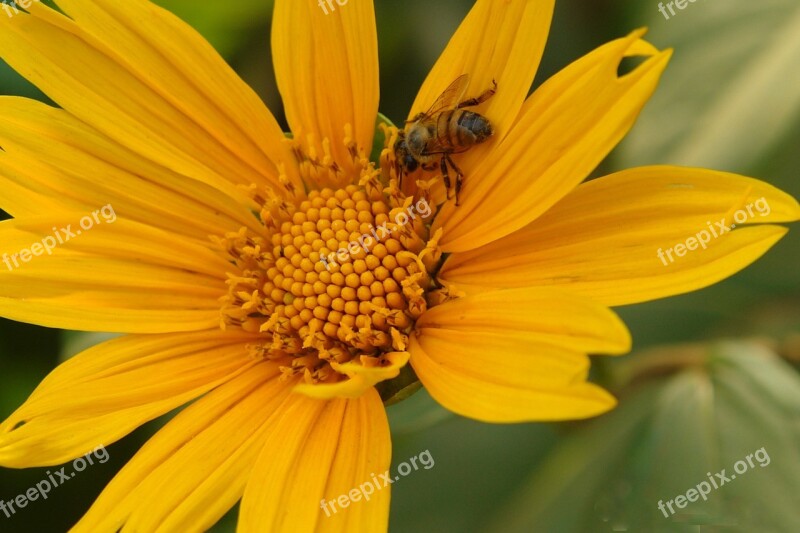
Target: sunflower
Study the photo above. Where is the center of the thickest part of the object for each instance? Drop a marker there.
(230, 266)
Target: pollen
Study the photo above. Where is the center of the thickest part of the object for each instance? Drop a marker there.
(336, 275)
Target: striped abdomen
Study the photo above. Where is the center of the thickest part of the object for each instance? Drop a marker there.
(459, 128)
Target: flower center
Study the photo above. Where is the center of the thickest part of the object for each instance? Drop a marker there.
(336, 279)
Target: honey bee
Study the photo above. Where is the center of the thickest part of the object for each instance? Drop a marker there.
(447, 128)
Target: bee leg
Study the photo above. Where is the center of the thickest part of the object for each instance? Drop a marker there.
(485, 95)
(445, 174)
(459, 176)
(398, 169)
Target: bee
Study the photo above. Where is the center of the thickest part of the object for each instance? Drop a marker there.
(447, 128)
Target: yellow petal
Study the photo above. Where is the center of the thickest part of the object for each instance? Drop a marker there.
(163, 93)
(326, 67)
(315, 453)
(493, 396)
(522, 357)
(550, 316)
(564, 130)
(111, 236)
(51, 162)
(190, 473)
(105, 392)
(45, 311)
(603, 239)
(361, 378)
(480, 357)
(501, 41)
(119, 276)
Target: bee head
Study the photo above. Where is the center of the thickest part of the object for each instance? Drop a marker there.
(403, 156)
(417, 140)
(409, 163)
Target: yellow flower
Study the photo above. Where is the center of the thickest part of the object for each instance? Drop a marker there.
(275, 328)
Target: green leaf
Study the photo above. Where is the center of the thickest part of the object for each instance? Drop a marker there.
(415, 414)
(736, 400)
(398, 389)
(476, 468)
(730, 92)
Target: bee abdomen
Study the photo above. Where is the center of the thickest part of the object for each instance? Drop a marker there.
(471, 128)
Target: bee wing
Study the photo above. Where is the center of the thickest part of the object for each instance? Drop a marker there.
(437, 148)
(451, 96)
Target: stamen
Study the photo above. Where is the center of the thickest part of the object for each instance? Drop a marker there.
(337, 276)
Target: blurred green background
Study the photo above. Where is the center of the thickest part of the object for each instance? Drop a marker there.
(713, 376)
